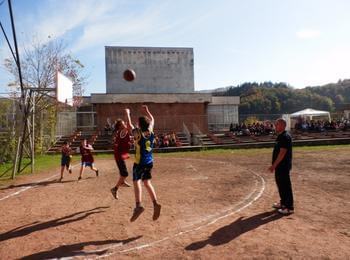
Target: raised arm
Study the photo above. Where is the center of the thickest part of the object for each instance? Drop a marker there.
(150, 116)
(129, 125)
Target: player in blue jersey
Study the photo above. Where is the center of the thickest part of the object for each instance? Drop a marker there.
(144, 142)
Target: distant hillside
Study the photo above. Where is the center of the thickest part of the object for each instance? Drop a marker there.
(338, 92)
(277, 98)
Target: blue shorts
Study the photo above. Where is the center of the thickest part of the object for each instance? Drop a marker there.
(87, 164)
(142, 172)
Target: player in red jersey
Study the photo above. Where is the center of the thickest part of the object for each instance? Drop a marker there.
(121, 153)
(66, 152)
(86, 158)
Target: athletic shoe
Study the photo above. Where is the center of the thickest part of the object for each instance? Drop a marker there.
(60, 180)
(114, 191)
(70, 171)
(96, 173)
(277, 205)
(137, 212)
(79, 178)
(156, 211)
(285, 211)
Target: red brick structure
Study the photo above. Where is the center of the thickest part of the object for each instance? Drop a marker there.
(168, 117)
(170, 111)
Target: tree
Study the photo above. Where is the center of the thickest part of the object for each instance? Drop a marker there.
(7, 119)
(39, 65)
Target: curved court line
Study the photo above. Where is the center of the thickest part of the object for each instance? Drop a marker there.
(31, 186)
(247, 201)
(240, 208)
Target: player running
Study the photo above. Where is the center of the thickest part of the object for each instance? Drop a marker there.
(65, 158)
(86, 158)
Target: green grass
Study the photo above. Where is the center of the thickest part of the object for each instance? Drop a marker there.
(48, 162)
(255, 151)
(42, 164)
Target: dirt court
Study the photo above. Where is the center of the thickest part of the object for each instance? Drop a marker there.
(215, 205)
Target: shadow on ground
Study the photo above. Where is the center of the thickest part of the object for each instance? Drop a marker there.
(240, 226)
(77, 249)
(33, 184)
(33, 227)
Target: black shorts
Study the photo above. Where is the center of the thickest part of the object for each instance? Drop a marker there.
(142, 172)
(123, 171)
(65, 161)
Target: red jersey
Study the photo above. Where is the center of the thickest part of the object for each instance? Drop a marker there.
(66, 151)
(121, 145)
(86, 155)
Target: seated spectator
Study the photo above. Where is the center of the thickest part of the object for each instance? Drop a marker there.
(232, 128)
(108, 129)
(173, 139)
(165, 140)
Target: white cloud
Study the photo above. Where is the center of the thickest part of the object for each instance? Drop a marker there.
(322, 68)
(308, 34)
(116, 27)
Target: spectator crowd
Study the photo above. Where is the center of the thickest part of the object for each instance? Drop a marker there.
(161, 139)
(256, 128)
(321, 125)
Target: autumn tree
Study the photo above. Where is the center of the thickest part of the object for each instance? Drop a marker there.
(39, 65)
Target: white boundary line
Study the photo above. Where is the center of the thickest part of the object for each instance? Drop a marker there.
(31, 186)
(260, 192)
(240, 208)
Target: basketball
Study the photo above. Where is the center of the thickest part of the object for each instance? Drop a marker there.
(129, 75)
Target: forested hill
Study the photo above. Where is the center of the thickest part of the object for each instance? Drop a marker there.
(276, 98)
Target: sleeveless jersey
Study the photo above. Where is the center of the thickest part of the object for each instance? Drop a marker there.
(86, 155)
(121, 145)
(143, 147)
(66, 151)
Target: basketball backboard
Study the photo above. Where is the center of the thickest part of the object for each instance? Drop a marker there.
(64, 89)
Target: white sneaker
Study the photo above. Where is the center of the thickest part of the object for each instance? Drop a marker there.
(285, 211)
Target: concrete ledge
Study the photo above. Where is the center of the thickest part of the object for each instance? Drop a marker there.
(155, 98)
(314, 142)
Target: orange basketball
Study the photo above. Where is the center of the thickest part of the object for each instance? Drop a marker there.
(129, 75)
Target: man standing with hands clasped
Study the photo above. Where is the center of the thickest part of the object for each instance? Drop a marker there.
(282, 164)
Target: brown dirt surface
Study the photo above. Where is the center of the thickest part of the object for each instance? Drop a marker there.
(215, 204)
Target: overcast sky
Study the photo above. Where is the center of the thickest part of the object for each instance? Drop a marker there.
(300, 42)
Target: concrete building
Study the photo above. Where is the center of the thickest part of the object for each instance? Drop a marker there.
(158, 70)
(165, 82)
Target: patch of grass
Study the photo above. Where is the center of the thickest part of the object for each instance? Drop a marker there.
(217, 152)
(41, 163)
(46, 162)
(253, 151)
(323, 147)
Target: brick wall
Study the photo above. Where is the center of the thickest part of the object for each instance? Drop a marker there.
(168, 116)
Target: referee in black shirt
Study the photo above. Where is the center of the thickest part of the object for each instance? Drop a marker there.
(282, 164)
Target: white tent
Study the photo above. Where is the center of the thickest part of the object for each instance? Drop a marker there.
(309, 112)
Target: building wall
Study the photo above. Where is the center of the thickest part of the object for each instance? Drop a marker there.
(168, 116)
(221, 116)
(158, 70)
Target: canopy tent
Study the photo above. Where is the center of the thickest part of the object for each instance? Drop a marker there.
(309, 112)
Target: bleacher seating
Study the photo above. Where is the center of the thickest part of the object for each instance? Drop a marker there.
(103, 141)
